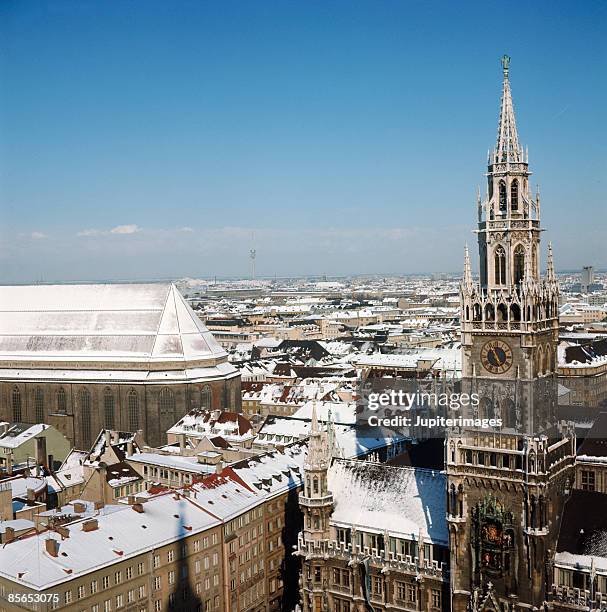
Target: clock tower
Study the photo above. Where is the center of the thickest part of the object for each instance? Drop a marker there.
(506, 484)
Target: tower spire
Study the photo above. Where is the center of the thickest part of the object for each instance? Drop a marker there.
(507, 148)
(550, 275)
(467, 268)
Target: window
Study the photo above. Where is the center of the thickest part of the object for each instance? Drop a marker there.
(171, 577)
(171, 556)
(500, 265)
(107, 605)
(588, 480)
(377, 585)
(93, 586)
(142, 591)
(61, 401)
(411, 593)
(157, 583)
(519, 264)
(435, 598)
(129, 573)
(119, 601)
(166, 403)
(401, 590)
(68, 597)
(39, 405)
(156, 561)
(514, 195)
(106, 582)
(118, 577)
(108, 409)
(84, 399)
(133, 410)
(16, 403)
(157, 605)
(502, 190)
(205, 397)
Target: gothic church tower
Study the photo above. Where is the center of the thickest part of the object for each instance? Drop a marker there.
(506, 485)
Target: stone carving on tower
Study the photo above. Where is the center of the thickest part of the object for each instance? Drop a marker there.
(506, 484)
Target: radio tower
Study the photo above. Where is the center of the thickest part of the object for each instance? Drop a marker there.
(252, 255)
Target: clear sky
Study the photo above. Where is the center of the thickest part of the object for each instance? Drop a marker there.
(153, 139)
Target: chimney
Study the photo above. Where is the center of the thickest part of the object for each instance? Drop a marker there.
(129, 448)
(181, 443)
(90, 525)
(9, 535)
(31, 496)
(99, 505)
(52, 547)
(3, 428)
(79, 508)
(64, 532)
(41, 451)
(107, 434)
(50, 462)
(138, 507)
(115, 436)
(218, 467)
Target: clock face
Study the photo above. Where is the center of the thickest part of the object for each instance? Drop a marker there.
(496, 357)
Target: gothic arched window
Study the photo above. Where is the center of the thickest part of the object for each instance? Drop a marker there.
(84, 399)
(503, 196)
(519, 264)
(205, 397)
(133, 410)
(515, 312)
(61, 401)
(39, 405)
(16, 405)
(514, 195)
(500, 265)
(166, 402)
(108, 409)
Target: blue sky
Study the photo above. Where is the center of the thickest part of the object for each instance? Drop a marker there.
(145, 139)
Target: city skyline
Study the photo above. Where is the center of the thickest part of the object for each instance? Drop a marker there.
(320, 137)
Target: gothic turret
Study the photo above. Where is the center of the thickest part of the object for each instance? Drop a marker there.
(317, 501)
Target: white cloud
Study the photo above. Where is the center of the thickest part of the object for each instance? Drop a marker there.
(185, 229)
(89, 232)
(125, 229)
(37, 235)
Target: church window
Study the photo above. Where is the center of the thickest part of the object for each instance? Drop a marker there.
(500, 265)
(108, 409)
(489, 312)
(477, 315)
(502, 311)
(514, 195)
(16, 404)
(519, 264)
(205, 397)
(315, 485)
(166, 402)
(85, 415)
(39, 405)
(133, 410)
(503, 196)
(61, 401)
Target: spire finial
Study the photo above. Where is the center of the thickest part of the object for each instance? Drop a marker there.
(505, 64)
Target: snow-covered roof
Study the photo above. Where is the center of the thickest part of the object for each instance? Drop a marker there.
(131, 323)
(404, 501)
(172, 461)
(19, 433)
(165, 519)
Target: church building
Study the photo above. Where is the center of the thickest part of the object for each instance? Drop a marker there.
(124, 357)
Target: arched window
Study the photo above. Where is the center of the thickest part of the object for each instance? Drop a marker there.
(84, 399)
(133, 410)
(477, 314)
(500, 265)
(515, 312)
(514, 195)
(502, 311)
(205, 397)
(166, 401)
(16, 404)
(39, 405)
(489, 312)
(503, 195)
(315, 485)
(108, 409)
(61, 401)
(519, 264)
